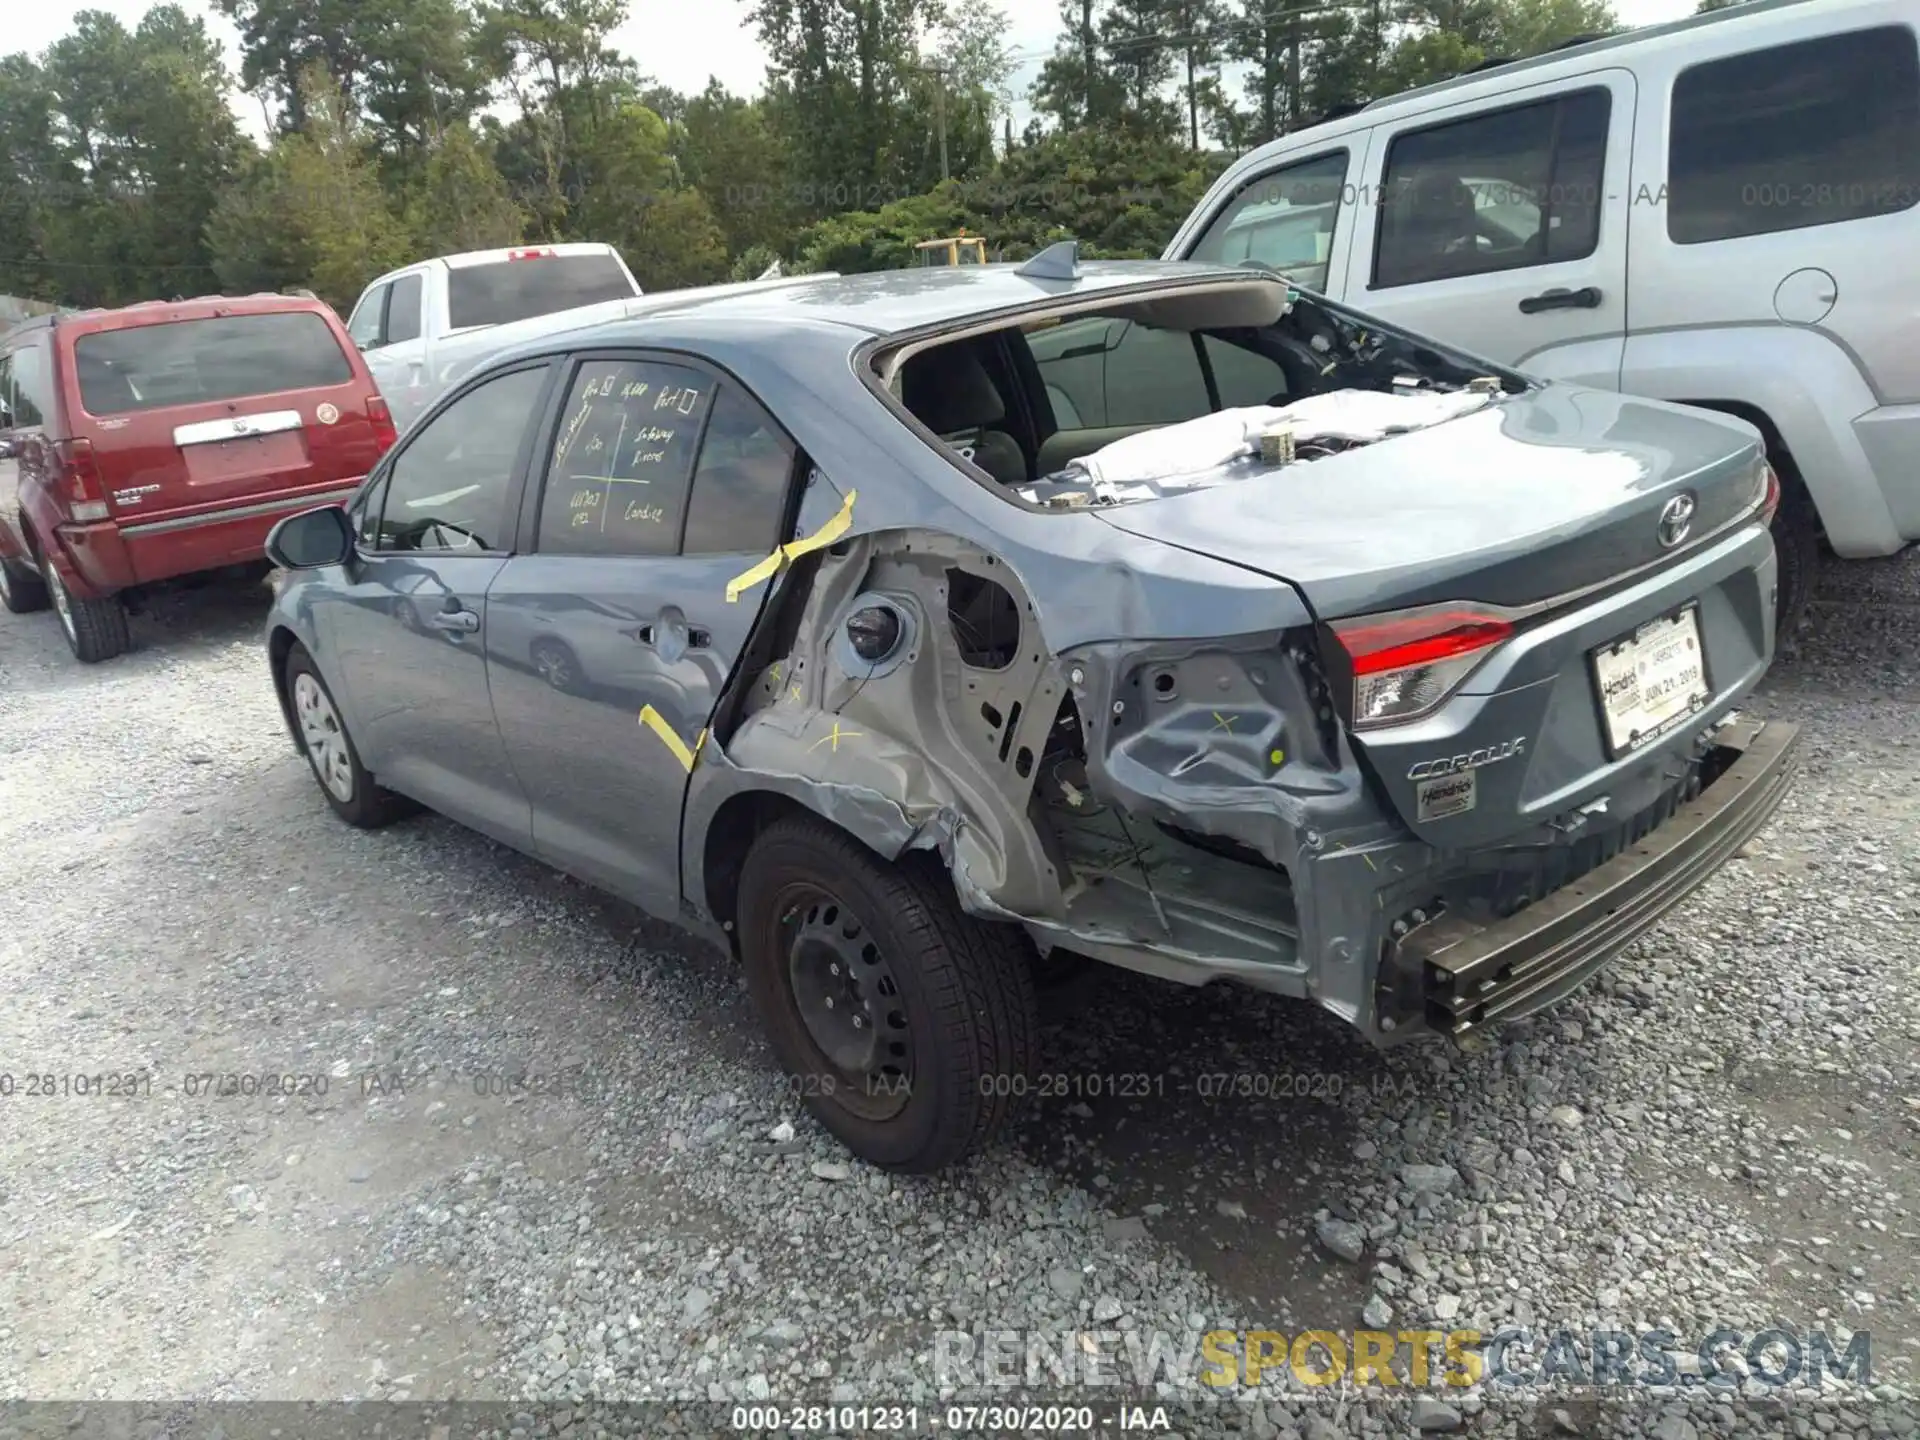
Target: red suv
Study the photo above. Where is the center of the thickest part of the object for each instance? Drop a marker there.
(168, 438)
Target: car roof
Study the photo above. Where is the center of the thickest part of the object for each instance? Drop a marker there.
(202, 307)
(882, 303)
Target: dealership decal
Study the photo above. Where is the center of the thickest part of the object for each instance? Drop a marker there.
(1446, 795)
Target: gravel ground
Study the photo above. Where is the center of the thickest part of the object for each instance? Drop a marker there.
(1720, 1133)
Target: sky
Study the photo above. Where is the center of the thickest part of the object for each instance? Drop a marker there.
(709, 39)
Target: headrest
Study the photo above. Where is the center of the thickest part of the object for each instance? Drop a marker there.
(949, 390)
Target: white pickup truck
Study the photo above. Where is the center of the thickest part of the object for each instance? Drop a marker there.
(424, 326)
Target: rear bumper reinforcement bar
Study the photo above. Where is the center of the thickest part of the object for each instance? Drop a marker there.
(1475, 974)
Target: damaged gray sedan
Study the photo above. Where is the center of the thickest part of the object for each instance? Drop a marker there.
(880, 629)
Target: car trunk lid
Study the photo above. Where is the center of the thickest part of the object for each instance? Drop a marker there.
(1538, 495)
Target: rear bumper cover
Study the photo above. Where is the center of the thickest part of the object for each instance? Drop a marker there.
(111, 555)
(1476, 974)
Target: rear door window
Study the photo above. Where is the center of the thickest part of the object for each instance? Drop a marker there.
(448, 488)
(1814, 133)
(617, 483)
(502, 291)
(193, 362)
(1500, 190)
(741, 485)
(403, 310)
(28, 386)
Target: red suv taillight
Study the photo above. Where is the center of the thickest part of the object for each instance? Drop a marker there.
(1771, 503)
(383, 426)
(1405, 665)
(78, 480)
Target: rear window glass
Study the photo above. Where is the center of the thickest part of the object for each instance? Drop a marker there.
(1814, 133)
(190, 362)
(509, 290)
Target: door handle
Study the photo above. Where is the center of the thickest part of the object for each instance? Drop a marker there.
(697, 639)
(1585, 298)
(464, 622)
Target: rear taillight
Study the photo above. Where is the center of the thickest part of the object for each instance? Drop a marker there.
(78, 480)
(1770, 503)
(534, 254)
(382, 419)
(1406, 664)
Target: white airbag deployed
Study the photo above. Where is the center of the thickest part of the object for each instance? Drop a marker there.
(1199, 448)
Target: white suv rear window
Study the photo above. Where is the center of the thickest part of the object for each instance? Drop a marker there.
(191, 362)
(503, 291)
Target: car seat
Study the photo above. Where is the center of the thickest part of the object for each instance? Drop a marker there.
(949, 391)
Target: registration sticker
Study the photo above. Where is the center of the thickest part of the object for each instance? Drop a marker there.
(1446, 795)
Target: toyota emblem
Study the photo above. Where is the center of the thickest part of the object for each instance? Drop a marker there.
(1676, 519)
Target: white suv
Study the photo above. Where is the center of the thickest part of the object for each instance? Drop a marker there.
(1719, 211)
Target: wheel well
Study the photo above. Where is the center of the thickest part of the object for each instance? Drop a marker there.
(735, 826)
(738, 823)
(280, 645)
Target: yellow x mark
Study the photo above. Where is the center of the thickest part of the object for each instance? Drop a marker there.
(834, 738)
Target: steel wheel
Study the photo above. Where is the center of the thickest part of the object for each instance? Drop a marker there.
(849, 1000)
(326, 741)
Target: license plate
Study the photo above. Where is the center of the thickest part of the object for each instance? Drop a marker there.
(1652, 680)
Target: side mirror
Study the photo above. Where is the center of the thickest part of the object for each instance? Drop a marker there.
(311, 539)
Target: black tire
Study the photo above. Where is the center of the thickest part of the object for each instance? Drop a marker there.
(21, 590)
(366, 804)
(96, 630)
(1796, 546)
(964, 990)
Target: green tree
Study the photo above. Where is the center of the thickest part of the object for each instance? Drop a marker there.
(1270, 38)
(1134, 44)
(840, 76)
(673, 241)
(730, 150)
(406, 66)
(1075, 87)
(462, 201)
(312, 212)
(39, 183)
(556, 62)
(150, 143)
(1196, 27)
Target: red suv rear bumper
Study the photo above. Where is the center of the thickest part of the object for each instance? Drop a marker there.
(111, 555)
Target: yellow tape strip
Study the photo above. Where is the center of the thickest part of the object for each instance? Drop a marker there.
(759, 574)
(766, 569)
(841, 522)
(654, 721)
